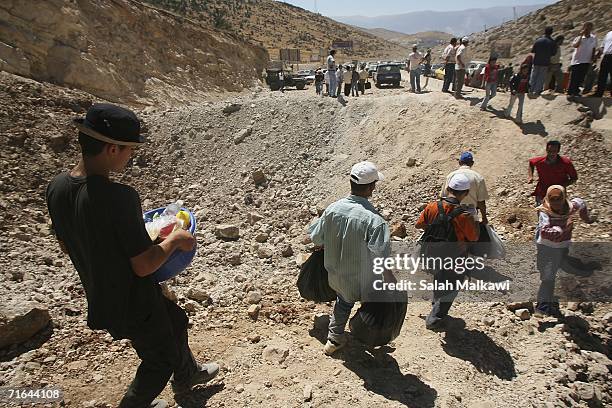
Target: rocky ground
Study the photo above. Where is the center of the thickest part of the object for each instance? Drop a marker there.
(256, 169)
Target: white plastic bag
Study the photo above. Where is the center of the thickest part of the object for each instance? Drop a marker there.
(496, 247)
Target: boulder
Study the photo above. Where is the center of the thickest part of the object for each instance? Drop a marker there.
(227, 231)
(398, 229)
(275, 353)
(253, 217)
(20, 320)
(241, 135)
(231, 108)
(259, 177)
(197, 294)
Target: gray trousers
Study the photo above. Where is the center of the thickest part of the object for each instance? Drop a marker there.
(338, 320)
(459, 81)
(443, 299)
(549, 260)
(554, 72)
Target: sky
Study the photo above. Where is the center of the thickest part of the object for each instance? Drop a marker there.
(380, 7)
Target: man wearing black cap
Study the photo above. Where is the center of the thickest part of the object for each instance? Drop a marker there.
(99, 224)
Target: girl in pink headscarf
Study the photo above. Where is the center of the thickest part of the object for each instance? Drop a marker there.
(553, 238)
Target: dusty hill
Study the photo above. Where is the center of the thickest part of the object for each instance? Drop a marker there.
(305, 147)
(123, 50)
(276, 25)
(423, 39)
(567, 18)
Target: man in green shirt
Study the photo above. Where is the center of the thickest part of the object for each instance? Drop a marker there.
(353, 233)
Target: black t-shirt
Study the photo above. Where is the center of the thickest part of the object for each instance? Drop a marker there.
(543, 49)
(101, 225)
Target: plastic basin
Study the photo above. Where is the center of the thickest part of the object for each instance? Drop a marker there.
(179, 260)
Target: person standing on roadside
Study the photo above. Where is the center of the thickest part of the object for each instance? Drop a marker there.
(543, 49)
(463, 229)
(319, 78)
(475, 201)
(352, 233)
(340, 80)
(414, 59)
(552, 169)
(554, 69)
(363, 77)
(491, 74)
(331, 74)
(98, 222)
(605, 68)
(584, 54)
(519, 86)
(355, 82)
(449, 64)
(462, 59)
(427, 67)
(281, 80)
(348, 80)
(553, 238)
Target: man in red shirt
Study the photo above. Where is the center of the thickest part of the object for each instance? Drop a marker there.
(552, 169)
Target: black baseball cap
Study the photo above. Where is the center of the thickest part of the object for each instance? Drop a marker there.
(111, 124)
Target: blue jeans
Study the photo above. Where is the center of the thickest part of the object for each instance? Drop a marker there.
(537, 78)
(415, 80)
(491, 91)
(319, 87)
(521, 101)
(337, 322)
(333, 83)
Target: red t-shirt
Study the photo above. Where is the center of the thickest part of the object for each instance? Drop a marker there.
(560, 172)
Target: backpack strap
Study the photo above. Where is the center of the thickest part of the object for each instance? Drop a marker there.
(455, 212)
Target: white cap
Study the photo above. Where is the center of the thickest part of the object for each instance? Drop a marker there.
(459, 182)
(365, 172)
(465, 39)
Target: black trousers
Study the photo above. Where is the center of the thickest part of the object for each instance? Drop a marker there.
(449, 76)
(160, 340)
(577, 75)
(605, 71)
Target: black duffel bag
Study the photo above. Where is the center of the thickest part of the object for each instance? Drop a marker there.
(368, 85)
(312, 282)
(378, 323)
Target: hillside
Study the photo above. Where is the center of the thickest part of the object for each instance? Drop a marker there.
(276, 25)
(424, 39)
(567, 18)
(458, 22)
(123, 50)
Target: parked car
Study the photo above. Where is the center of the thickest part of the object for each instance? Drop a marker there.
(371, 69)
(475, 74)
(434, 67)
(307, 74)
(387, 74)
(291, 79)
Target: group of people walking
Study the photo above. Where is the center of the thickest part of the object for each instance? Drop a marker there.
(352, 233)
(541, 70)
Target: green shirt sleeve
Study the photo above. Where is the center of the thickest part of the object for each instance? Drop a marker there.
(379, 242)
(316, 231)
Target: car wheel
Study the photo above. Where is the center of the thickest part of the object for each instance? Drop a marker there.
(300, 86)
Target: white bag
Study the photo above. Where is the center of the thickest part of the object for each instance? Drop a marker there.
(496, 248)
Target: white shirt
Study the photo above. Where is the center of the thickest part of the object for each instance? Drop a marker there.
(465, 57)
(326, 76)
(478, 188)
(584, 53)
(607, 43)
(331, 62)
(281, 76)
(415, 59)
(449, 52)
